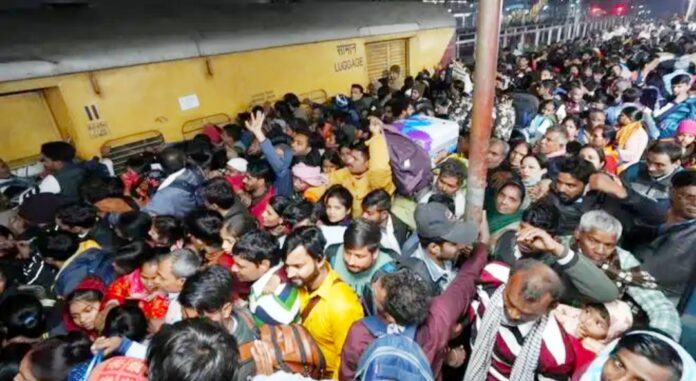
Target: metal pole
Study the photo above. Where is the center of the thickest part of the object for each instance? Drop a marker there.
(487, 36)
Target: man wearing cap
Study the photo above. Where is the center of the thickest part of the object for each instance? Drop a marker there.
(442, 241)
(437, 321)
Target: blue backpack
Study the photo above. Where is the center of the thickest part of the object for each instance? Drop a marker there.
(392, 356)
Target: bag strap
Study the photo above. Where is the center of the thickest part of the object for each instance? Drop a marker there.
(375, 325)
(313, 303)
(96, 360)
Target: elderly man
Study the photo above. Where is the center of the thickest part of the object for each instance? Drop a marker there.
(514, 337)
(596, 238)
(172, 271)
(553, 146)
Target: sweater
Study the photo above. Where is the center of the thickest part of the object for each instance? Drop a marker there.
(378, 175)
(434, 333)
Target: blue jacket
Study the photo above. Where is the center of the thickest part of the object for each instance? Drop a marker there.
(178, 198)
(281, 167)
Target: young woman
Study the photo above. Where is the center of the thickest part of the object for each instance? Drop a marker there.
(686, 135)
(335, 213)
(82, 307)
(272, 217)
(594, 155)
(234, 228)
(631, 139)
(533, 169)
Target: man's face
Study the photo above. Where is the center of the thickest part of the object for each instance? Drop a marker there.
(376, 215)
(300, 145)
(522, 63)
(227, 140)
(518, 309)
(568, 188)
(356, 94)
(680, 89)
(166, 280)
(301, 268)
(448, 185)
(254, 148)
(660, 165)
(248, 271)
(596, 245)
(546, 74)
(684, 202)
(626, 365)
(597, 139)
(495, 155)
(597, 119)
(446, 251)
(357, 163)
(4, 170)
(359, 259)
(251, 183)
(550, 143)
(219, 316)
(576, 95)
(49, 165)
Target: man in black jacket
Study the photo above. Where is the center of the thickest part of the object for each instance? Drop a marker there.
(376, 207)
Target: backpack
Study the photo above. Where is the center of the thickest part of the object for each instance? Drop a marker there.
(293, 347)
(94, 168)
(91, 262)
(410, 163)
(392, 356)
(526, 107)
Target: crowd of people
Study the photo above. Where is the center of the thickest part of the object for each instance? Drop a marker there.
(284, 247)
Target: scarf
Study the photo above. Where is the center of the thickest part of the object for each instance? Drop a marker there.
(528, 359)
(632, 277)
(626, 132)
(498, 221)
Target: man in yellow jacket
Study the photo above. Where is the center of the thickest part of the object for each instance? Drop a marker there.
(329, 306)
(367, 168)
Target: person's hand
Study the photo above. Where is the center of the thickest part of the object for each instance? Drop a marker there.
(484, 230)
(539, 190)
(263, 359)
(606, 183)
(442, 155)
(108, 345)
(255, 125)
(245, 198)
(456, 357)
(538, 240)
(375, 125)
(272, 284)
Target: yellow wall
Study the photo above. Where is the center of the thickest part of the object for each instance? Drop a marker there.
(145, 97)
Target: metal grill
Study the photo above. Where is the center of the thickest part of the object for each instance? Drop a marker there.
(126, 147)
